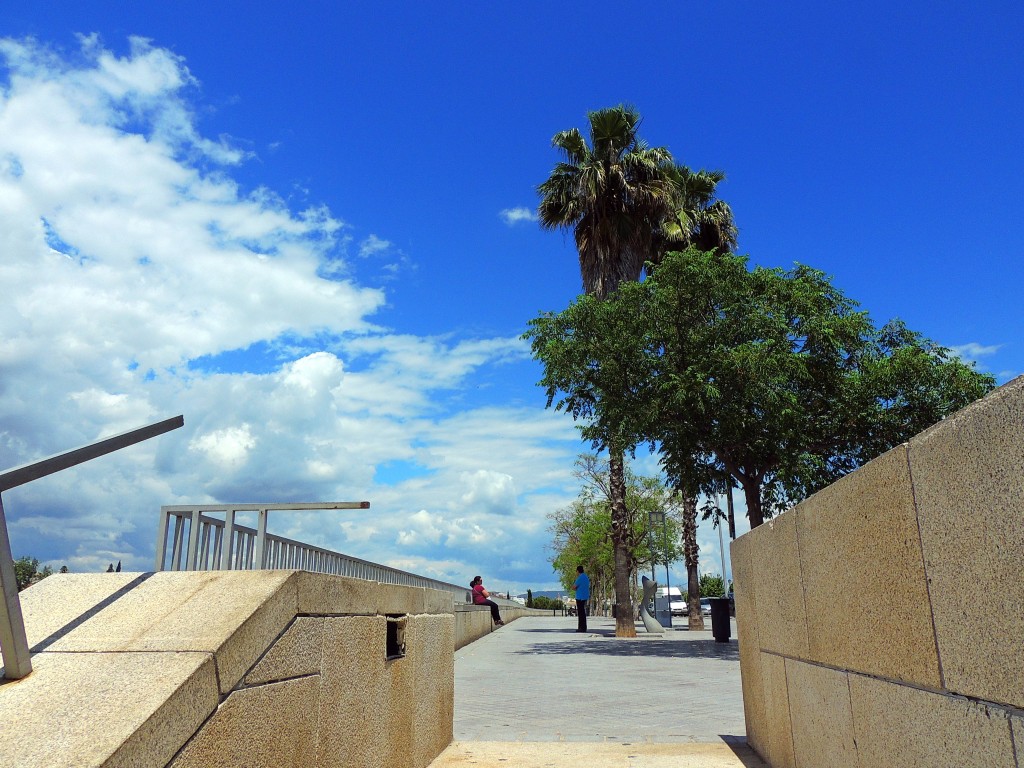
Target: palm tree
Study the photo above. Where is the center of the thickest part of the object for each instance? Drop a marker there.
(699, 219)
(614, 192)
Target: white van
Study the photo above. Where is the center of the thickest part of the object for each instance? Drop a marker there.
(676, 603)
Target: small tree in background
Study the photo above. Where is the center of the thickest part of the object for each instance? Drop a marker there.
(27, 573)
(529, 598)
(711, 585)
(582, 531)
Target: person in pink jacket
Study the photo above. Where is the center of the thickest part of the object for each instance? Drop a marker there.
(480, 596)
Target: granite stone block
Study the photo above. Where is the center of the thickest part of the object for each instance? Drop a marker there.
(430, 642)
(900, 725)
(267, 726)
(776, 706)
(233, 614)
(329, 595)
(399, 707)
(778, 591)
(471, 623)
(819, 706)
(745, 579)
(1017, 732)
(439, 601)
(112, 709)
(863, 574)
(354, 695)
(297, 652)
(65, 599)
(969, 482)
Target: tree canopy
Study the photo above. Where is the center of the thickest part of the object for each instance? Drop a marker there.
(772, 376)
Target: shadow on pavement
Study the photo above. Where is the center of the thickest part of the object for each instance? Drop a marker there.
(686, 649)
(743, 752)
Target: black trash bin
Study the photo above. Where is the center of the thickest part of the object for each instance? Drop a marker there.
(720, 619)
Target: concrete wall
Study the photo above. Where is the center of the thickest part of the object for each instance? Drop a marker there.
(474, 621)
(881, 621)
(271, 668)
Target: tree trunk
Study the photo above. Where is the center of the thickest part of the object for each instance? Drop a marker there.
(732, 511)
(690, 553)
(752, 493)
(624, 624)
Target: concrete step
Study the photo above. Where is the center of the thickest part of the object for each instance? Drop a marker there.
(567, 754)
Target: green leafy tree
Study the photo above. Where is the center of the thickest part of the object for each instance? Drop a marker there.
(27, 573)
(548, 604)
(582, 530)
(529, 598)
(775, 378)
(711, 585)
(772, 378)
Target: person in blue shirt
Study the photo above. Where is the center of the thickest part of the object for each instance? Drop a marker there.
(582, 587)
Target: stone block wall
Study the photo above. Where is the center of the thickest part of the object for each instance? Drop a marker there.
(474, 621)
(266, 668)
(881, 621)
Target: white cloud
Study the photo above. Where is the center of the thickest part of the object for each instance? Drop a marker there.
(974, 352)
(226, 447)
(373, 245)
(492, 491)
(513, 216)
(133, 274)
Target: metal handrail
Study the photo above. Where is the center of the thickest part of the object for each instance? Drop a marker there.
(189, 538)
(13, 641)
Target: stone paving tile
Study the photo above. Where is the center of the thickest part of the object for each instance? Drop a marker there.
(536, 679)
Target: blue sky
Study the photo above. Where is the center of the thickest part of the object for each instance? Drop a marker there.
(291, 223)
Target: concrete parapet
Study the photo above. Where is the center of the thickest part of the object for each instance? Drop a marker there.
(820, 715)
(902, 725)
(474, 621)
(255, 668)
(863, 575)
(749, 642)
(109, 709)
(969, 483)
(782, 617)
(880, 620)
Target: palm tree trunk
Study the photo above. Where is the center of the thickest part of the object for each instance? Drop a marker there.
(624, 624)
(690, 552)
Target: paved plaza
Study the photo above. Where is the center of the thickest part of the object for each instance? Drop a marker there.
(651, 701)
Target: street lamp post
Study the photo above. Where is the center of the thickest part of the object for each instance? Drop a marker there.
(656, 518)
(721, 548)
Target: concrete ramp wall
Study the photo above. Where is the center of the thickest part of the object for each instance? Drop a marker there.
(881, 621)
(264, 668)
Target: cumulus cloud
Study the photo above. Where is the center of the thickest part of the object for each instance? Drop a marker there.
(513, 216)
(489, 490)
(225, 447)
(140, 281)
(974, 352)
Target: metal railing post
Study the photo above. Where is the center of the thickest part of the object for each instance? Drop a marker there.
(228, 552)
(13, 639)
(261, 539)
